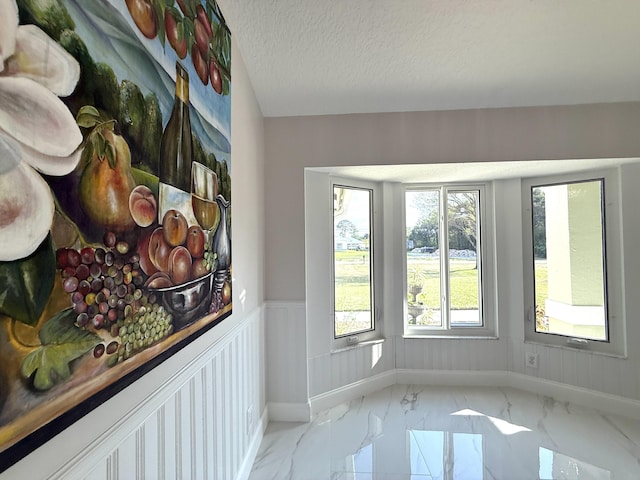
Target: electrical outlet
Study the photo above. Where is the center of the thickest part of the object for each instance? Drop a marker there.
(352, 340)
(531, 360)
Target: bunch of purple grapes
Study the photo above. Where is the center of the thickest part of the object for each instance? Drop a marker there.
(105, 284)
(216, 302)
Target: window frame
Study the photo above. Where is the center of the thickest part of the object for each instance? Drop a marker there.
(615, 345)
(375, 235)
(485, 254)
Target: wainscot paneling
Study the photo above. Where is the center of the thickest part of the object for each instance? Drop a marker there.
(336, 369)
(597, 381)
(451, 354)
(603, 373)
(286, 356)
(206, 423)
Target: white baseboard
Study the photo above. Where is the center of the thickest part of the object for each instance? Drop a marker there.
(610, 404)
(289, 412)
(254, 446)
(354, 390)
(452, 378)
(604, 402)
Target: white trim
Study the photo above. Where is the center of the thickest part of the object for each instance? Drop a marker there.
(254, 446)
(375, 259)
(84, 462)
(451, 378)
(606, 403)
(612, 202)
(353, 390)
(486, 255)
(289, 412)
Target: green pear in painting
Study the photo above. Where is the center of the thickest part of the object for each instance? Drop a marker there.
(115, 199)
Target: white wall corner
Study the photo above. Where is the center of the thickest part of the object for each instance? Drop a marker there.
(254, 445)
(289, 412)
(349, 392)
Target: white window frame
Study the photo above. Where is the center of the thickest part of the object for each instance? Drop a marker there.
(375, 252)
(614, 283)
(486, 261)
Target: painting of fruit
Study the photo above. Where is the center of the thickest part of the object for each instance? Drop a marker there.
(109, 260)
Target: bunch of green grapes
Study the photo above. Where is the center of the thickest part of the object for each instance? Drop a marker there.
(210, 260)
(140, 330)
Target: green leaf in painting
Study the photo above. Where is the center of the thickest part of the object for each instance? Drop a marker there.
(158, 10)
(27, 284)
(99, 145)
(88, 117)
(189, 32)
(62, 342)
(110, 152)
(86, 155)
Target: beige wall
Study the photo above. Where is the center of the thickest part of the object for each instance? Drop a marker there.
(291, 144)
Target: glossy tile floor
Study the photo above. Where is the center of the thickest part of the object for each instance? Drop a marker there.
(420, 433)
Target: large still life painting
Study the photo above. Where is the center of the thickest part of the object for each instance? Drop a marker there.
(115, 213)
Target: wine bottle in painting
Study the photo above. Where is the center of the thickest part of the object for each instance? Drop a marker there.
(176, 154)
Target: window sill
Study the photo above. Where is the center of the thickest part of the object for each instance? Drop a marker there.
(449, 337)
(621, 356)
(366, 343)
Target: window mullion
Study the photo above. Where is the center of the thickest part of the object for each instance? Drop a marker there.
(444, 261)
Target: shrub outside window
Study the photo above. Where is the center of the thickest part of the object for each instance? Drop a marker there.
(445, 260)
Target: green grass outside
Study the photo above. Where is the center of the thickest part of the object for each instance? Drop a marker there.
(352, 275)
(541, 283)
(353, 291)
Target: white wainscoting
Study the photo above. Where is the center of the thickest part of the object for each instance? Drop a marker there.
(603, 382)
(612, 404)
(286, 357)
(607, 374)
(205, 423)
(335, 369)
(451, 354)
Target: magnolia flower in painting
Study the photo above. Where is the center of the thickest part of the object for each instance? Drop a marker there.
(37, 131)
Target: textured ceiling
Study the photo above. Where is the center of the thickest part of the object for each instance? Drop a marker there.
(353, 56)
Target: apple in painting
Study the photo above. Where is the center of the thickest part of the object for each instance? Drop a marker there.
(175, 32)
(195, 241)
(200, 64)
(198, 268)
(146, 264)
(201, 36)
(180, 265)
(142, 205)
(158, 280)
(159, 250)
(143, 16)
(175, 227)
(214, 74)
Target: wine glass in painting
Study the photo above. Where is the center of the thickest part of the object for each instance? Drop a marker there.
(204, 189)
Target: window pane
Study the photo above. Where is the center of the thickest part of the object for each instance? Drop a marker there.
(423, 257)
(464, 265)
(558, 465)
(352, 260)
(468, 461)
(569, 259)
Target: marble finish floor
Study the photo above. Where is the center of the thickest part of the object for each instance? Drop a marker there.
(421, 433)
